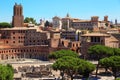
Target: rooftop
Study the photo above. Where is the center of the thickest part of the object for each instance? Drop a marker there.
(96, 34)
(81, 20)
(24, 28)
(18, 28)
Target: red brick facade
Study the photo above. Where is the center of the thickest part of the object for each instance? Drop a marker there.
(17, 16)
(23, 42)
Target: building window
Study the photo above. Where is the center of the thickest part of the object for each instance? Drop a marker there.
(76, 45)
(80, 44)
(6, 51)
(73, 45)
(92, 39)
(23, 31)
(13, 41)
(7, 42)
(95, 39)
(13, 37)
(33, 40)
(13, 32)
(19, 41)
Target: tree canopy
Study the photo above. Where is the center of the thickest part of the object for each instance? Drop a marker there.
(85, 68)
(6, 72)
(116, 51)
(106, 24)
(100, 51)
(112, 63)
(30, 19)
(71, 66)
(62, 53)
(117, 79)
(5, 25)
(47, 24)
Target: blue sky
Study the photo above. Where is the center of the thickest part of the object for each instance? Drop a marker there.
(47, 9)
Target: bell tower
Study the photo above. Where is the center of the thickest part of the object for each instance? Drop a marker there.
(17, 16)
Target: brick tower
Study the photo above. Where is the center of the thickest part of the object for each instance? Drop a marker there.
(17, 16)
(106, 18)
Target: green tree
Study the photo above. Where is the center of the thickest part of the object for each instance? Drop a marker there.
(71, 66)
(63, 64)
(10, 72)
(85, 68)
(47, 24)
(112, 63)
(98, 52)
(117, 79)
(106, 24)
(116, 51)
(61, 53)
(6, 72)
(5, 25)
(104, 61)
(29, 19)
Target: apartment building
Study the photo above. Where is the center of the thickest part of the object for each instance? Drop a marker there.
(76, 23)
(90, 39)
(27, 42)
